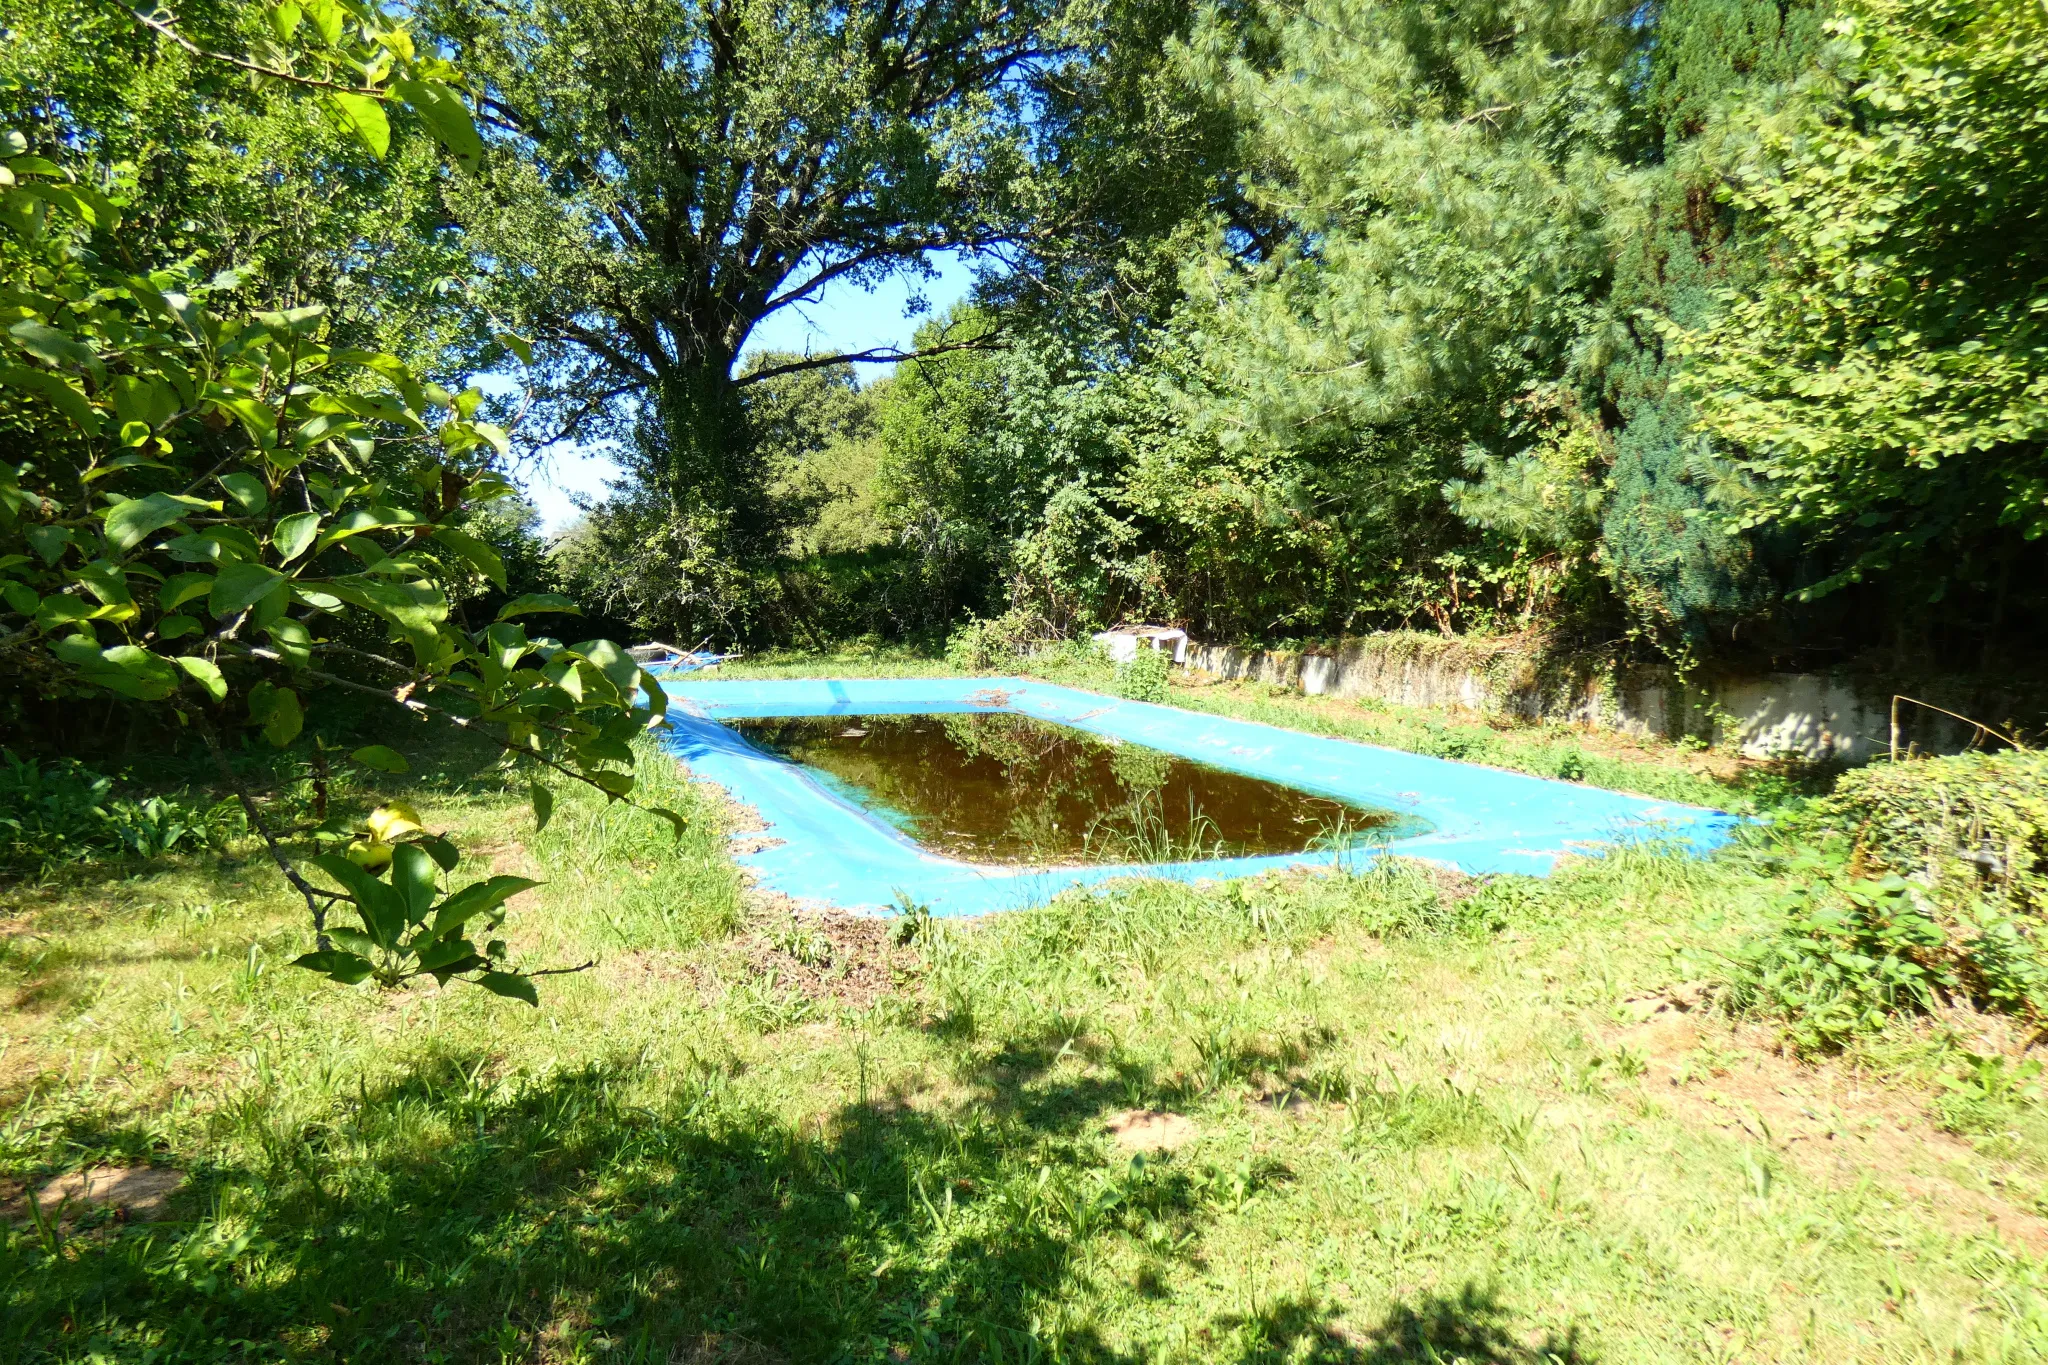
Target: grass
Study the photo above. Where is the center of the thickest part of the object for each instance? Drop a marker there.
(1424, 1122)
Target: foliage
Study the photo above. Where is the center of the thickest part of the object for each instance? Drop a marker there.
(1885, 381)
(212, 509)
(63, 812)
(1966, 825)
(1142, 677)
(1840, 959)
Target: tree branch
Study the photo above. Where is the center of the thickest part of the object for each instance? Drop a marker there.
(880, 355)
(313, 894)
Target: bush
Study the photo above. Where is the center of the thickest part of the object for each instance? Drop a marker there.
(67, 813)
(1143, 676)
(1964, 826)
(1841, 959)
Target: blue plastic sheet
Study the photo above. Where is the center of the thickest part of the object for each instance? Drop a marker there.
(823, 849)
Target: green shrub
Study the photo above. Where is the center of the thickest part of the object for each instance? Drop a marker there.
(1143, 676)
(66, 813)
(1840, 959)
(1966, 826)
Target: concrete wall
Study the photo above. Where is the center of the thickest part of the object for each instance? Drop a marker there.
(1844, 717)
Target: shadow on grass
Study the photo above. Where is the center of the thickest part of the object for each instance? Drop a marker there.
(437, 1220)
(1471, 1326)
(566, 1218)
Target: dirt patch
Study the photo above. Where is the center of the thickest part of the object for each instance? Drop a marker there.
(1151, 1130)
(852, 960)
(140, 1193)
(1828, 1119)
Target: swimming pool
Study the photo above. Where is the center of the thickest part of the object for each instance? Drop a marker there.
(824, 846)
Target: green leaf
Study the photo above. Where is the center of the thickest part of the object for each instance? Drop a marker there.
(676, 821)
(176, 627)
(621, 669)
(477, 898)
(293, 534)
(335, 965)
(413, 877)
(482, 556)
(292, 640)
(242, 585)
(129, 522)
(248, 491)
(49, 541)
(444, 954)
(446, 117)
(47, 343)
(511, 985)
(366, 118)
(441, 850)
(205, 673)
(543, 806)
(284, 718)
(56, 391)
(181, 588)
(527, 603)
(382, 758)
(382, 911)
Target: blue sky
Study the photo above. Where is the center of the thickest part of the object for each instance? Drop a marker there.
(844, 318)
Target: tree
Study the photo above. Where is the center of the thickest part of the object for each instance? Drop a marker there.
(213, 511)
(1887, 383)
(667, 173)
(1686, 575)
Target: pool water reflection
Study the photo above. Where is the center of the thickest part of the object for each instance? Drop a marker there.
(1001, 788)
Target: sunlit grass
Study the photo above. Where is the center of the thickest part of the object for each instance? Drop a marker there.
(1420, 1124)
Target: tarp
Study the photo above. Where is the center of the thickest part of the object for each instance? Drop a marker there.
(824, 849)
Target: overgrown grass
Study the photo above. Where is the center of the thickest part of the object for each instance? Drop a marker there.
(1423, 1126)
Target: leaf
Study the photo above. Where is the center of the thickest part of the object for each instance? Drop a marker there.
(129, 522)
(57, 392)
(382, 758)
(382, 911)
(530, 602)
(248, 491)
(511, 985)
(49, 541)
(543, 806)
(58, 348)
(482, 556)
(441, 850)
(477, 898)
(364, 114)
(242, 585)
(335, 965)
(618, 667)
(179, 589)
(176, 627)
(517, 345)
(446, 117)
(413, 874)
(676, 821)
(284, 719)
(293, 534)
(292, 640)
(206, 673)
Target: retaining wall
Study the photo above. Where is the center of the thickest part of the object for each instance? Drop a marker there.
(1846, 717)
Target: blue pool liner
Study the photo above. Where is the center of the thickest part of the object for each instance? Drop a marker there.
(824, 849)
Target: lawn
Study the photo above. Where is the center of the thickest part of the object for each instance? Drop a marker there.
(1395, 1116)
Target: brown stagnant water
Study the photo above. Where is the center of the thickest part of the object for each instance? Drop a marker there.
(991, 787)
